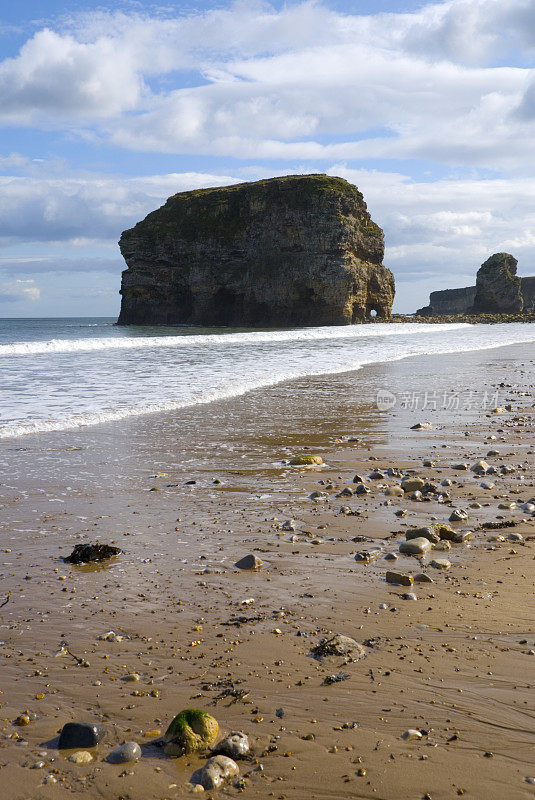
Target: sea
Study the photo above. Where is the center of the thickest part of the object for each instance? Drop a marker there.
(61, 374)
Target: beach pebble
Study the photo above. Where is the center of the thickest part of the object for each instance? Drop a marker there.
(391, 557)
(289, 525)
(383, 606)
(458, 515)
(440, 563)
(412, 484)
(416, 496)
(480, 467)
(394, 491)
(367, 556)
(444, 544)
(235, 745)
(376, 475)
(461, 537)
(80, 734)
(461, 466)
(361, 489)
(129, 751)
(319, 497)
(338, 645)
(411, 734)
(427, 533)
(85, 553)
(409, 596)
(422, 426)
(515, 537)
(306, 459)
(358, 479)
(132, 677)
(399, 578)
(217, 771)
(423, 578)
(487, 485)
(81, 757)
(415, 547)
(249, 562)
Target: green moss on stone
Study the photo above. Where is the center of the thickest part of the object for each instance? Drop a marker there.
(191, 731)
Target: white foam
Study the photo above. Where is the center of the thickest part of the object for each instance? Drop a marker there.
(230, 385)
(341, 332)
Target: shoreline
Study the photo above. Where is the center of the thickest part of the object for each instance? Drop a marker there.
(163, 605)
(14, 430)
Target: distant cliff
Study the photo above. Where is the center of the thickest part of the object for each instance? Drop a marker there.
(498, 290)
(298, 250)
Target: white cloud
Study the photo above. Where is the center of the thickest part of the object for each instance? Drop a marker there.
(279, 84)
(82, 210)
(15, 291)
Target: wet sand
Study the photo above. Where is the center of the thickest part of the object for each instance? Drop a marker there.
(458, 663)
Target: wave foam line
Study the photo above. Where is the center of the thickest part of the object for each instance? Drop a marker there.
(227, 393)
(54, 346)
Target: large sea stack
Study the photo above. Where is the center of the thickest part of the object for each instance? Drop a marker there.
(297, 250)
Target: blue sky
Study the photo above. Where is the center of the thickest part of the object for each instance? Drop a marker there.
(107, 110)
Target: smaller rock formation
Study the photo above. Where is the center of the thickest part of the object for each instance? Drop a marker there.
(498, 288)
(449, 301)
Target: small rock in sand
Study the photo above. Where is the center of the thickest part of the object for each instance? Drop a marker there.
(81, 757)
(129, 751)
(399, 578)
(217, 771)
(85, 553)
(412, 484)
(423, 578)
(415, 547)
(458, 515)
(440, 563)
(235, 745)
(80, 734)
(411, 734)
(289, 525)
(338, 645)
(306, 459)
(249, 562)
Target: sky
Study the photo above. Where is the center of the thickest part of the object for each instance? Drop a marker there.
(106, 110)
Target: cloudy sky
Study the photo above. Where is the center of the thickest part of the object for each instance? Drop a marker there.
(428, 107)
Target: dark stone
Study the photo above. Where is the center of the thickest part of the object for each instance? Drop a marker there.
(498, 288)
(296, 250)
(81, 734)
(84, 553)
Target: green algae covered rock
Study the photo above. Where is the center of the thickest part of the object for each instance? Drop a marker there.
(190, 732)
(306, 459)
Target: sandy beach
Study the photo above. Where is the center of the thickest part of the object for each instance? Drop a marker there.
(185, 495)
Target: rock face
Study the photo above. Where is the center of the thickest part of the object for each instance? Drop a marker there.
(498, 290)
(449, 301)
(297, 250)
